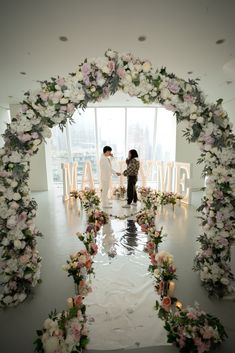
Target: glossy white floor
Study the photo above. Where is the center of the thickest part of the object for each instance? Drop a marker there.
(123, 295)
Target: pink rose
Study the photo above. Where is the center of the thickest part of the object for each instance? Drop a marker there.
(35, 135)
(78, 300)
(60, 81)
(121, 72)
(24, 259)
(166, 303)
(24, 137)
(111, 65)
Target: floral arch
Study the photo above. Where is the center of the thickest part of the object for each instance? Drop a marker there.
(55, 103)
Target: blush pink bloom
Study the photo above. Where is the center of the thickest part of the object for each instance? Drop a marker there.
(166, 303)
(78, 300)
(24, 259)
(44, 96)
(34, 135)
(121, 72)
(111, 65)
(60, 81)
(24, 137)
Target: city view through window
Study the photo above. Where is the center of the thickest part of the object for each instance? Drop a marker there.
(151, 131)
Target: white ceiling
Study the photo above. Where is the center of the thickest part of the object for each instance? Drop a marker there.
(181, 35)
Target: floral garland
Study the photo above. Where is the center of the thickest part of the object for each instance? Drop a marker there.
(67, 332)
(54, 104)
(152, 198)
(119, 192)
(189, 329)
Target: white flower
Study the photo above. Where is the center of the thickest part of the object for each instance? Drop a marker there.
(146, 66)
(64, 101)
(165, 93)
(80, 95)
(46, 132)
(51, 345)
(17, 244)
(16, 196)
(79, 76)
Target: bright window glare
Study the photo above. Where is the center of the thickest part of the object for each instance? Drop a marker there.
(151, 131)
(140, 129)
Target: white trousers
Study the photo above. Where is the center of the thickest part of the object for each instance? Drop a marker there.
(105, 185)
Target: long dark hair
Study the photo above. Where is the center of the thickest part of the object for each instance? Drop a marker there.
(133, 154)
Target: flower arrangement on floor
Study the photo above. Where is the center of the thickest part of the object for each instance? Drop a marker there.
(119, 192)
(89, 199)
(146, 219)
(97, 216)
(96, 79)
(189, 329)
(79, 266)
(64, 332)
(156, 237)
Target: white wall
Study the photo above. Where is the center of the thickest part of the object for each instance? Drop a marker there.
(189, 152)
(4, 119)
(39, 179)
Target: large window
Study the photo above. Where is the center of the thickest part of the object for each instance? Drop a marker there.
(151, 131)
(140, 131)
(83, 140)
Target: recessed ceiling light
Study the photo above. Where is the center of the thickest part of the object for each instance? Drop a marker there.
(220, 41)
(190, 72)
(23, 73)
(142, 38)
(63, 38)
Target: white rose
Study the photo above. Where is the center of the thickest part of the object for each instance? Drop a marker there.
(200, 120)
(46, 132)
(17, 244)
(79, 76)
(165, 93)
(8, 299)
(51, 345)
(110, 53)
(146, 66)
(16, 196)
(64, 101)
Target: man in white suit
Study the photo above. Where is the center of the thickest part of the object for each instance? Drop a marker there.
(106, 172)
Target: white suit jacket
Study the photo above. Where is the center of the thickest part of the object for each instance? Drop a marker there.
(106, 170)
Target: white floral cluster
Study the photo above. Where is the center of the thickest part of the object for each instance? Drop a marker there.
(96, 79)
(67, 340)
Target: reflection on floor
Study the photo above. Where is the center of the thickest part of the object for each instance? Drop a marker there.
(125, 303)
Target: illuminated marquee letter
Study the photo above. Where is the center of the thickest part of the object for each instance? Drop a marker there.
(87, 178)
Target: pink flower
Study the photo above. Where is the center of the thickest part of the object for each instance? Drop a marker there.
(4, 173)
(34, 135)
(111, 65)
(44, 96)
(24, 259)
(14, 205)
(166, 303)
(191, 315)
(60, 81)
(78, 300)
(24, 137)
(121, 72)
(94, 247)
(70, 108)
(173, 86)
(86, 69)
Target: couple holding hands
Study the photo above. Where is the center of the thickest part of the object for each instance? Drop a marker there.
(131, 172)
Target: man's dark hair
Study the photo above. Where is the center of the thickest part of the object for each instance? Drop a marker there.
(133, 154)
(106, 149)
